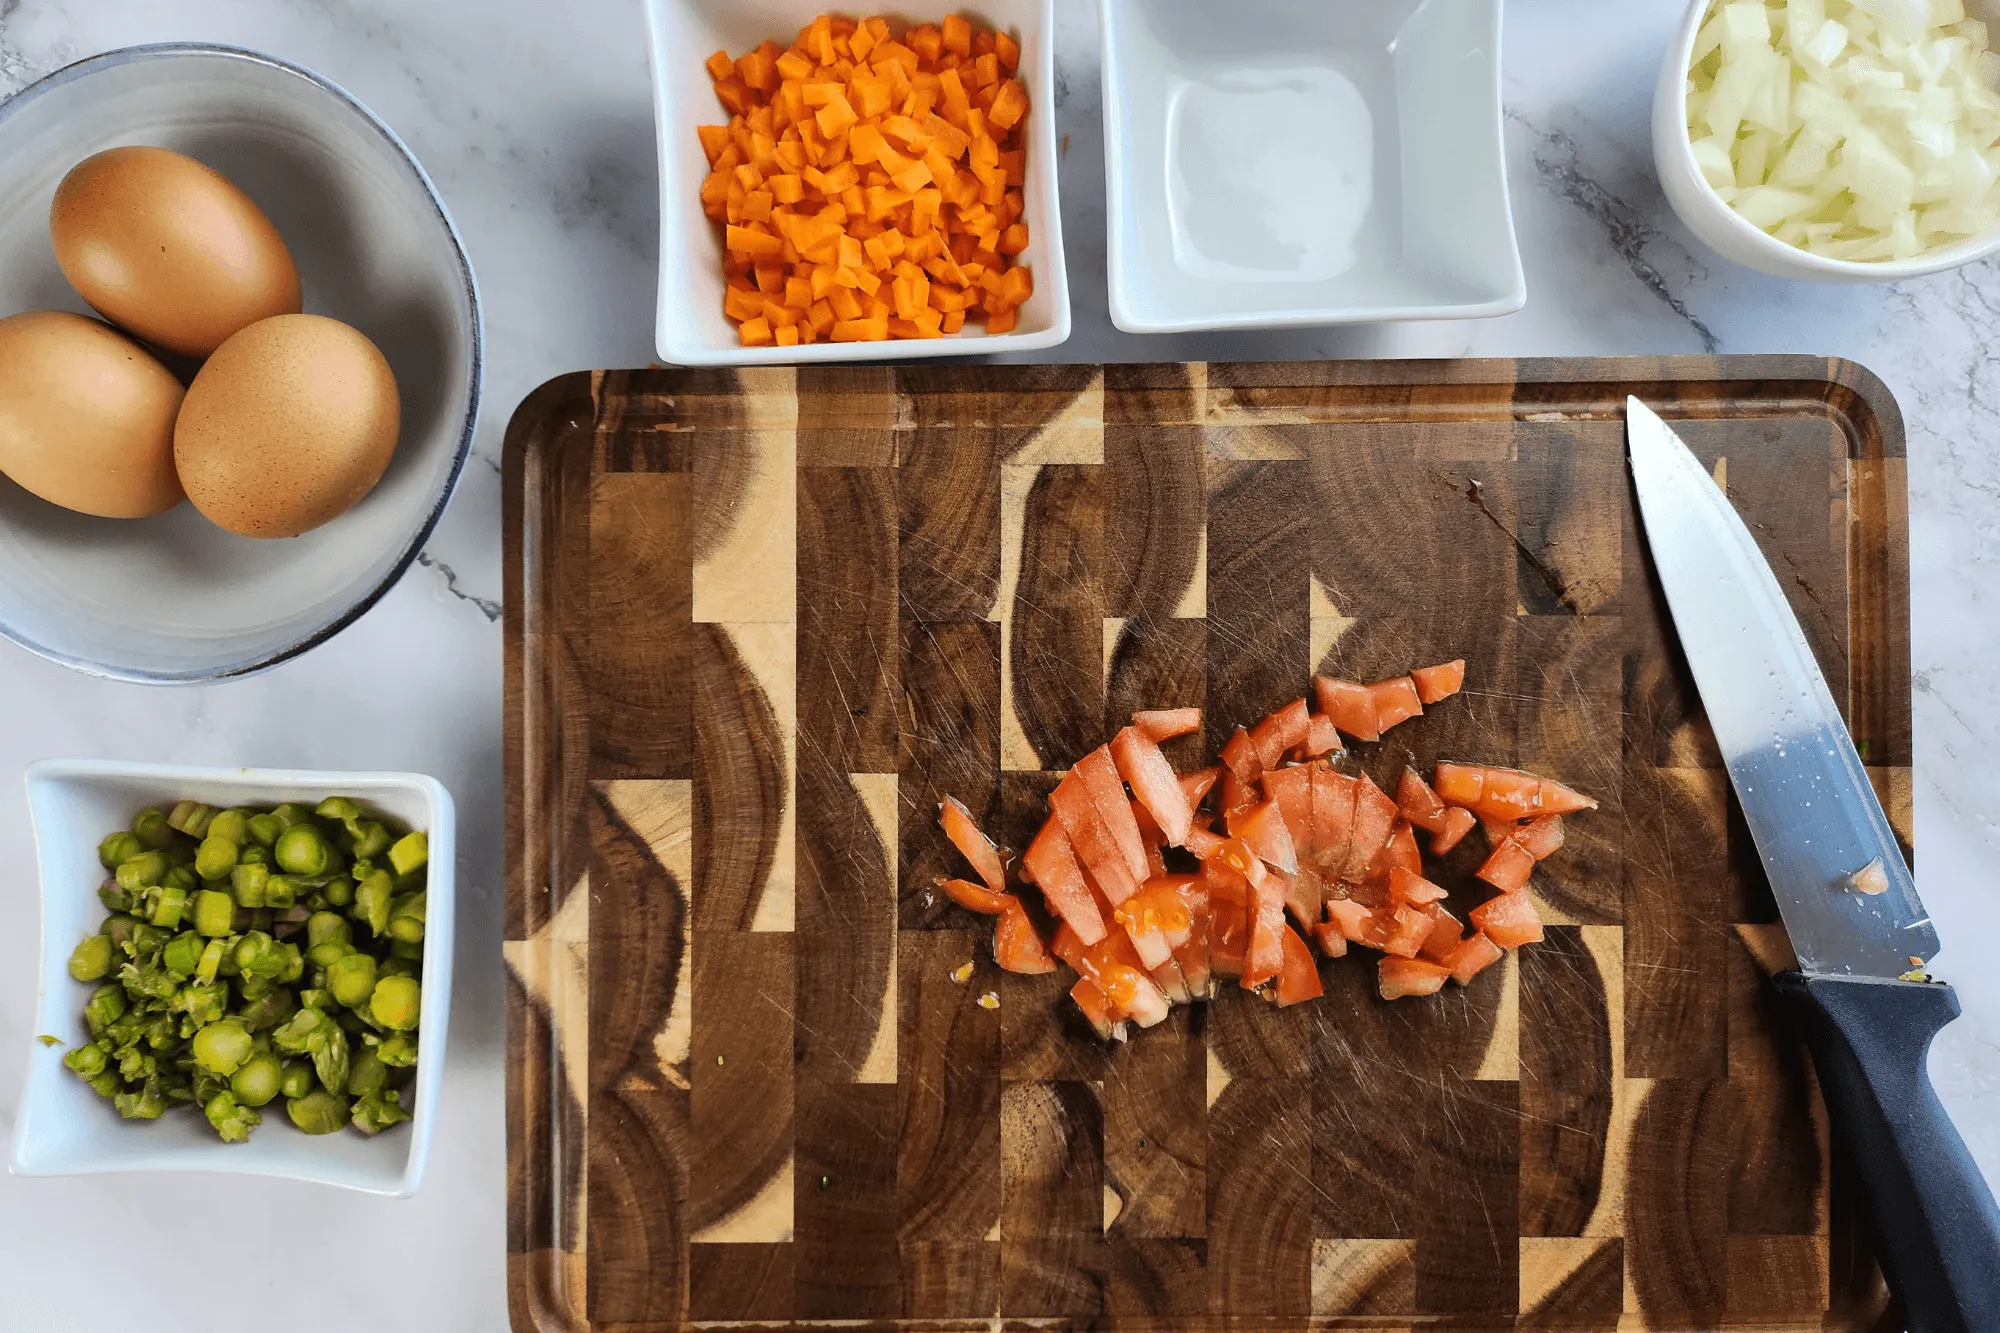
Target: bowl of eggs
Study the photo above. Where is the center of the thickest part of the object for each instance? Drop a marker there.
(239, 362)
(1846, 141)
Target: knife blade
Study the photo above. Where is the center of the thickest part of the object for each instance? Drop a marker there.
(1867, 1010)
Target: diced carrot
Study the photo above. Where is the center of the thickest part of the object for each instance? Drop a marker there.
(755, 332)
(720, 66)
(741, 305)
(1408, 886)
(1262, 826)
(1298, 974)
(976, 897)
(956, 35)
(1163, 724)
(1107, 792)
(1051, 865)
(1014, 239)
(714, 138)
(1445, 937)
(788, 336)
(1435, 684)
(1473, 956)
(1508, 867)
(1322, 737)
(1350, 706)
(976, 847)
(1008, 50)
(1457, 823)
(1002, 321)
(759, 68)
(1281, 731)
(1153, 782)
(1419, 804)
(1084, 825)
(1541, 837)
(1509, 920)
(1395, 702)
(860, 330)
(753, 243)
(1239, 752)
(1398, 977)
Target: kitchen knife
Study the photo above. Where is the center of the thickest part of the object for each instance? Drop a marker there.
(1861, 934)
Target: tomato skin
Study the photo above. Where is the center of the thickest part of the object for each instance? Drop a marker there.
(1398, 977)
(1163, 724)
(1298, 975)
(1281, 731)
(1051, 863)
(1509, 920)
(1396, 702)
(1419, 804)
(1473, 956)
(1435, 684)
(1351, 706)
(1509, 867)
(976, 897)
(1458, 822)
(1016, 945)
(1262, 827)
(977, 848)
(1140, 762)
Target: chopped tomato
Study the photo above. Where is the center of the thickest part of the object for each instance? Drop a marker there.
(1085, 829)
(1409, 887)
(1163, 724)
(1051, 864)
(1510, 920)
(1154, 917)
(1281, 731)
(1445, 937)
(1196, 785)
(1396, 702)
(1172, 982)
(1095, 1006)
(1333, 797)
(1265, 956)
(1016, 946)
(1235, 794)
(1401, 851)
(1239, 755)
(1542, 837)
(1508, 868)
(1498, 830)
(1203, 841)
(1374, 821)
(976, 897)
(1322, 737)
(1350, 706)
(1457, 823)
(1305, 898)
(1398, 977)
(1298, 975)
(1402, 933)
(1506, 793)
(1151, 838)
(1262, 827)
(1473, 956)
(1331, 942)
(976, 846)
(1191, 951)
(1154, 782)
(1435, 684)
(1419, 804)
(1107, 793)
(1351, 919)
(1228, 937)
(1290, 789)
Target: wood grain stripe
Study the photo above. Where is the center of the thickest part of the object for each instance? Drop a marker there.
(636, 653)
(1155, 1132)
(745, 739)
(1052, 1204)
(1468, 1248)
(951, 748)
(948, 1051)
(1566, 1084)
(1054, 634)
(847, 654)
(740, 1165)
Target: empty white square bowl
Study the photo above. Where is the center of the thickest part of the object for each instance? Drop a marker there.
(1275, 163)
(64, 1128)
(691, 329)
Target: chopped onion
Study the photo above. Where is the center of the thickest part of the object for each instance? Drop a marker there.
(1855, 129)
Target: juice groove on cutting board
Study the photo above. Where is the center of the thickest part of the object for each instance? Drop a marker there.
(760, 622)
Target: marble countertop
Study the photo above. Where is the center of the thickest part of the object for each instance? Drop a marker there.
(536, 123)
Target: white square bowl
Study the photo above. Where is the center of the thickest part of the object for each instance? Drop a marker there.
(64, 1128)
(1275, 163)
(691, 329)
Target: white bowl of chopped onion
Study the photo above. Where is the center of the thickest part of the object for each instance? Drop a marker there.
(1848, 141)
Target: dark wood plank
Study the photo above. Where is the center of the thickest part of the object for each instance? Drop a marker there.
(948, 1073)
(950, 748)
(1056, 651)
(635, 647)
(847, 686)
(1052, 1202)
(739, 783)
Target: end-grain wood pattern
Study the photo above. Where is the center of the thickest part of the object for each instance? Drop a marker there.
(759, 623)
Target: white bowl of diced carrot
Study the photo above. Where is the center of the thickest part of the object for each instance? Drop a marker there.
(846, 187)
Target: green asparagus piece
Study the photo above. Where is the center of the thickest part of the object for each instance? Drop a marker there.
(191, 818)
(406, 918)
(119, 848)
(296, 1080)
(264, 829)
(232, 825)
(376, 1111)
(145, 1104)
(215, 858)
(303, 850)
(396, 1003)
(318, 1112)
(87, 1062)
(256, 1081)
(220, 1048)
(91, 959)
(214, 913)
(247, 884)
(232, 1120)
(339, 891)
(373, 899)
(170, 907)
(280, 891)
(371, 839)
(182, 954)
(150, 827)
(142, 871)
(411, 852)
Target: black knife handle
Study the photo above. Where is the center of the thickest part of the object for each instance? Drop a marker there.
(1930, 1215)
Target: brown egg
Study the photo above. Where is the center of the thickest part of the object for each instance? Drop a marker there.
(168, 249)
(86, 416)
(287, 426)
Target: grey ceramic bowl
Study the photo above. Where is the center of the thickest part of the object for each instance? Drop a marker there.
(174, 599)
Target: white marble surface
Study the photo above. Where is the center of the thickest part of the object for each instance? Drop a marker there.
(535, 121)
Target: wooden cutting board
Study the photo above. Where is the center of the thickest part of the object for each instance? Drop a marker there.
(759, 623)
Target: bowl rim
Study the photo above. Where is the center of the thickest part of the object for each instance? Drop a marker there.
(674, 199)
(1117, 209)
(1671, 97)
(251, 666)
(438, 967)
